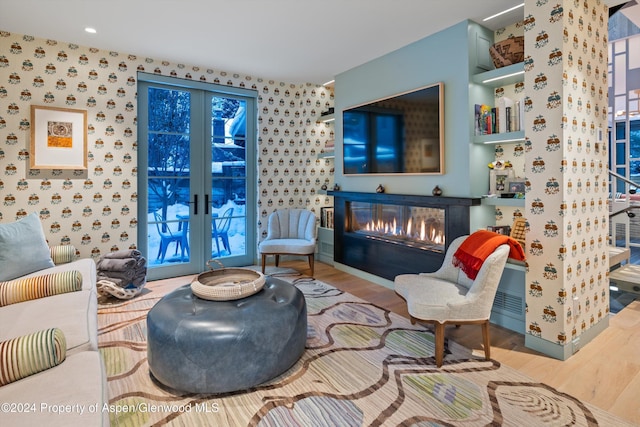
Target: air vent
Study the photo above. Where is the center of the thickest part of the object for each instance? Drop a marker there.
(508, 303)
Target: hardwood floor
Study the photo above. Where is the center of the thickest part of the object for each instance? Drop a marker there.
(605, 373)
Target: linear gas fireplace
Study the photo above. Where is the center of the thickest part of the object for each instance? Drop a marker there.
(391, 234)
(402, 225)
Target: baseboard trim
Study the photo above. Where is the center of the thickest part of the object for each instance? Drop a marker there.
(364, 275)
(564, 352)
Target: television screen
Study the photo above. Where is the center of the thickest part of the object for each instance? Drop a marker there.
(399, 134)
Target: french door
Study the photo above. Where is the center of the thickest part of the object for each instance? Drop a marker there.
(196, 176)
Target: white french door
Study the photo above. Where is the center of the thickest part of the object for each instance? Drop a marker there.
(196, 176)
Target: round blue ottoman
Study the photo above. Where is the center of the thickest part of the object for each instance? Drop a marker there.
(203, 346)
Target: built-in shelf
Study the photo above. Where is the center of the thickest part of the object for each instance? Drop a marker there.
(327, 155)
(327, 118)
(504, 76)
(325, 245)
(500, 138)
(499, 201)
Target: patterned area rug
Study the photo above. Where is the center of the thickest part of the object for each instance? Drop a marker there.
(363, 366)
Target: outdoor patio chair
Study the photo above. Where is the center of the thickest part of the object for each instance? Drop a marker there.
(168, 236)
(220, 230)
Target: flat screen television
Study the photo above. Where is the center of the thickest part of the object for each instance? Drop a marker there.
(403, 133)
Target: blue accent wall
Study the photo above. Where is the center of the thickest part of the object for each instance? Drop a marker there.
(442, 57)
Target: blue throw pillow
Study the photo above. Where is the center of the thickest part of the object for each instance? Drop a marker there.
(23, 248)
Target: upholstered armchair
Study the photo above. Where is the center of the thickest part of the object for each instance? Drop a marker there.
(448, 296)
(290, 232)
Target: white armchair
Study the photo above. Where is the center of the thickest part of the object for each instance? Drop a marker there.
(290, 232)
(448, 296)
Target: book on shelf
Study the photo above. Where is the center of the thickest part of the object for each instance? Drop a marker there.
(326, 217)
(519, 114)
(505, 106)
(484, 119)
(505, 117)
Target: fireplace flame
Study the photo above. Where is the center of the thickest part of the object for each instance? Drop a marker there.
(429, 230)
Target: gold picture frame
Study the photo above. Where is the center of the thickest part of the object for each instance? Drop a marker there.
(58, 138)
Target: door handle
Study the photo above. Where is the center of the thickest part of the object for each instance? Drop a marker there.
(195, 204)
(206, 204)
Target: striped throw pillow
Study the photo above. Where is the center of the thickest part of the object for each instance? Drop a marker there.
(35, 287)
(29, 354)
(62, 254)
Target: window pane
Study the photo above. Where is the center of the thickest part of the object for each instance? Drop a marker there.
(224, 191)
(169, 110)
(167, 192)
(620, 131)
(168, 155)
(620, 154)
(634, 144)
(634, 46)
(228, 121)
(226, 155)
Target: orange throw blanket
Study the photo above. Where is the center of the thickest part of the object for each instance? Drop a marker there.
(478, 246)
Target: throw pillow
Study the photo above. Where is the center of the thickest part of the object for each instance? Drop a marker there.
(29, 288)
(62, 254)
(23, 248)
(29, 354)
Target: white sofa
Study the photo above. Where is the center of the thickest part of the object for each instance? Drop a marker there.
(73, 393)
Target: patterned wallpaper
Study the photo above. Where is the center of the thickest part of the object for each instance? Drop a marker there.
(566, 167)
(95, 210)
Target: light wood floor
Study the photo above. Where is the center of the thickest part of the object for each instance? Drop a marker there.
(605, 373)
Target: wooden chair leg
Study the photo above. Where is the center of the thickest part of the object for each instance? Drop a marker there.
(486, 340)
(277, 260)
(439, 343)
(264, 262)
(311, 263)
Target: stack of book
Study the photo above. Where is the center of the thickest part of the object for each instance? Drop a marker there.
(506, 116)
(326, 217)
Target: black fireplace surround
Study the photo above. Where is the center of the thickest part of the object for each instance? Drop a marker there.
(386, 258)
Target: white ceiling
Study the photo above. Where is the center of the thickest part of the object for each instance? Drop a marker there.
(632, 11)
(295, 41)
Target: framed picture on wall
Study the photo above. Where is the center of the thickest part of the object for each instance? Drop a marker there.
(58, 138)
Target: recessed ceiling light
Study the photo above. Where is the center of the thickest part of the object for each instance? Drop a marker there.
(503, 12)
(90, 30)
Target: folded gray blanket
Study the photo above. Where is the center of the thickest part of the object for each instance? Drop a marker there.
(124, 275)
(137, 281)
(125, 253)
(116, 264)
(123, 270)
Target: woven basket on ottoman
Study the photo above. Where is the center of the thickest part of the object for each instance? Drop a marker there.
(204, 346)
(507, 52)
